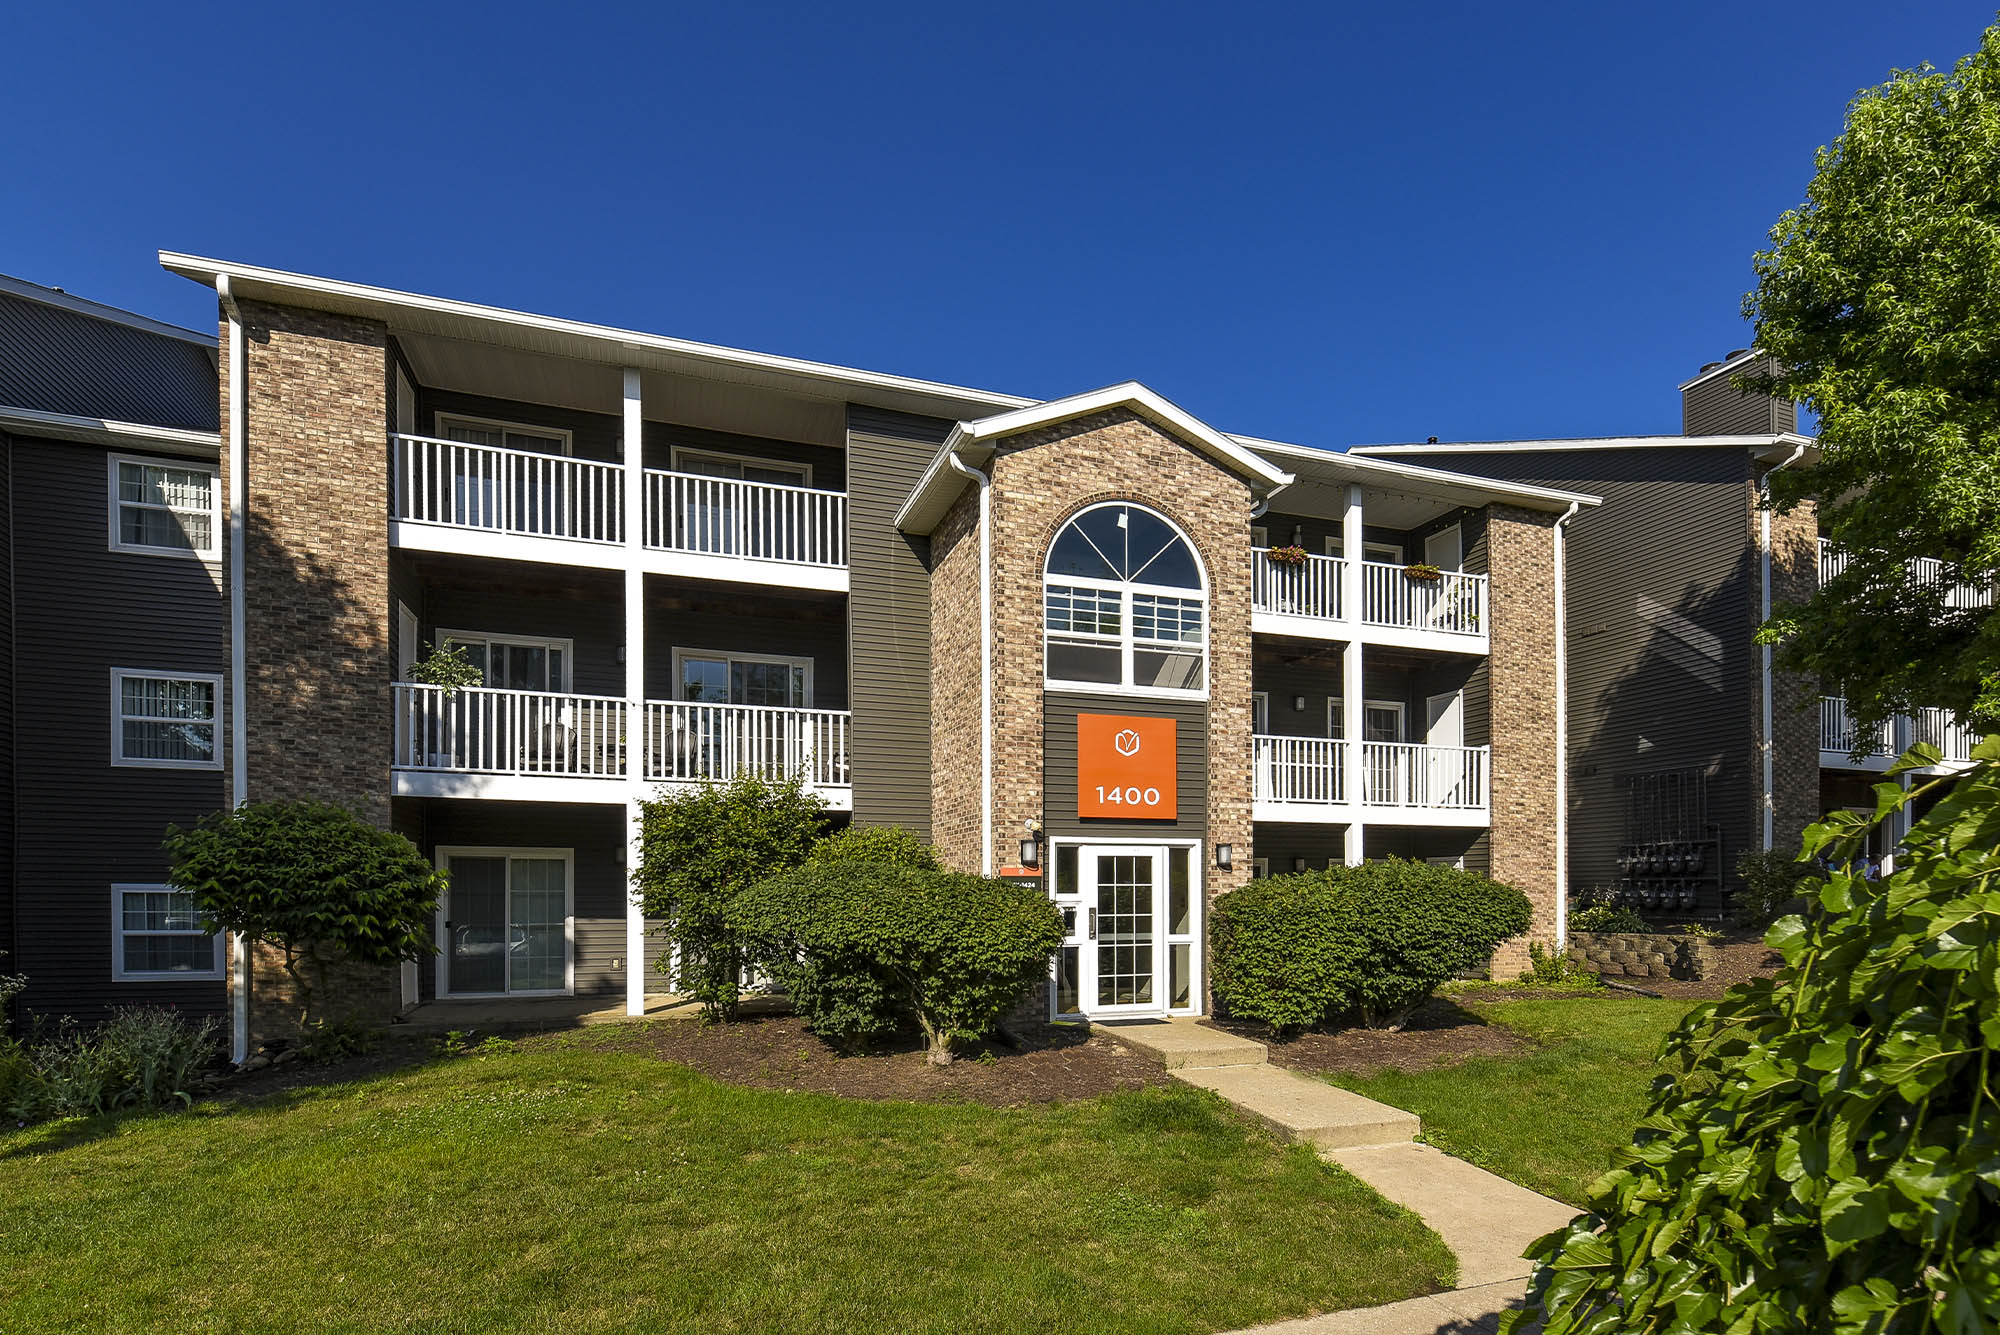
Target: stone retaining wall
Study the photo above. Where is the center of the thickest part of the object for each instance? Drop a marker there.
(1643, 954)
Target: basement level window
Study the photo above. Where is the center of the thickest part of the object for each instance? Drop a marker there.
(156, 934)
(161, 508)
(164, 722)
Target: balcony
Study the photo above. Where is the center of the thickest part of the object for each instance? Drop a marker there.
(483, 500)
(1448, 612)
(1304, 779)
(549, 746)
(1924, 573)
(1933, 727)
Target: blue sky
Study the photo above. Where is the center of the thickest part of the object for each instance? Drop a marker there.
(1314, 223)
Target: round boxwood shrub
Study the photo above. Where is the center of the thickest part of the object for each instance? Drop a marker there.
(889, 845)
(1368, 942)
(864, 949)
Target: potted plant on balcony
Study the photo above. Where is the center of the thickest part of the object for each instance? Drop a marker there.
(1427, 574)
(1286, 556)
(448, 669)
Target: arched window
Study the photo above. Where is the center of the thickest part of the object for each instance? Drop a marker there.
(1125, 605)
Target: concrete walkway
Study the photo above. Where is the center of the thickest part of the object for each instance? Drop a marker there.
(1486, 1220)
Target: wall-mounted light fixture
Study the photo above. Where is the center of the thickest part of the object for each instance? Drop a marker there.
(1031, 852)
(1224, 854)
(1298, 704)
(1298, 864)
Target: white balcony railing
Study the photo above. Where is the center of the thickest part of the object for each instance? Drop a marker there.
(1836, 730)
(705, 743)
(476, 730)
(1405, 775)
(1941, 728)
(1301, 769)
(1924, 572)
(1410, 774)
(759, 521)
(507, 491)
(1932, 727)
(1308, 590)
(1454, 602)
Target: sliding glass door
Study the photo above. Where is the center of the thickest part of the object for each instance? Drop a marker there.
(505, 921)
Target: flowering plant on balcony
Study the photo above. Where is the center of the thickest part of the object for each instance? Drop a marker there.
(1286, 556)
(1429, 574)
(447, 667)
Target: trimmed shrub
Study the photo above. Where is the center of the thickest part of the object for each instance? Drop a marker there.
(1281, 951)
(699, 848)
(142, 1057)
(864, 949)
(1372, 942)
(1604, 918)
(1821, 1155)
(884, 845)
(1772, 884)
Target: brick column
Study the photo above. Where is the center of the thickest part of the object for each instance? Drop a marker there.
(1521, 594)
(1794, 740)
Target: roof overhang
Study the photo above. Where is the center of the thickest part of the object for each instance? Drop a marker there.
(106, 431)
(973, 444)
(97, 310)
(413, 313)
(1740, 362)
(1328, 466)
(1768, 448)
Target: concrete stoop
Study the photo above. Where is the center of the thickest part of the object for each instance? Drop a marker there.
(1304, 1109)
(1179, 1044)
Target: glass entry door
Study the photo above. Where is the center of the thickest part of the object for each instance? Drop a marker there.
(506, 923)
(1130, 911)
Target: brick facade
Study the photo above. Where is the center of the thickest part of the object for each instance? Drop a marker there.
(955, 685)
(1795, 782)
(1522, 673)
(316, 590)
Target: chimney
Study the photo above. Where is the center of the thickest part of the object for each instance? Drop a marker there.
(1711, 405)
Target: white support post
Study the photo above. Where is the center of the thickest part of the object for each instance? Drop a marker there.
(1352, 690)
(635, 683)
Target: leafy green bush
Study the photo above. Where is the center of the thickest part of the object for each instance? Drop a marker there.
(324, 1042)
(1827, 1157)
(1771, 881)
(1281, 950)
(11, 986)
(1554, 968)
(1604, 918)
(314, 880)
(699, 848)
(142, 1057)
(1372, 941)
(862, 949)
(885, 845)
(17, 1073)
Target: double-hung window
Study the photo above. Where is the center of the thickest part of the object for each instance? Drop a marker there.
(161, 508)
(156, 934)
(164, 720)
(1124, 605)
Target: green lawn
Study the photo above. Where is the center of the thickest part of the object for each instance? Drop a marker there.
(1550, 1118)
(555, 1188)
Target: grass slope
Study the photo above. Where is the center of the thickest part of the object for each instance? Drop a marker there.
(1548, 1119)
(563, 1189)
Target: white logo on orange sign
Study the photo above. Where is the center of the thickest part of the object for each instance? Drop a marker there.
(1127, 743)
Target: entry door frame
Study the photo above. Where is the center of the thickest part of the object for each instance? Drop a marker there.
(444, 853)
(1089, 845)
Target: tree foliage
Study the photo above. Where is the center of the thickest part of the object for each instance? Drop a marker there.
(312, 879)
(1880, 299)
(885, 845)
(700, 847)
(1827, 1156)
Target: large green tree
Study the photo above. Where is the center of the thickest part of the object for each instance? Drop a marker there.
(1880, 300)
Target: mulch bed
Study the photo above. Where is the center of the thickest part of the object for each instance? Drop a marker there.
(1738, 958)
(1439, 1033)
(1051, 1063)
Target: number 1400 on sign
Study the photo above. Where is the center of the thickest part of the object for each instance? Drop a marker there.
(1128, 797)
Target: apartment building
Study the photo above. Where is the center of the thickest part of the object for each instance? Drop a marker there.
(1092, 642)
(1685, 747)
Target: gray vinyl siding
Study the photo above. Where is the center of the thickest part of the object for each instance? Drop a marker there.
(1286, 672)
(83, 824)
(596, 834)
(7, 669)
(1325, 846)
(1716, 407)
(829, 465)
(753, 622)
(62, 361)
(1662, 585)
(1192, 763)
(592, 435)
(889, 615)
(594, 624)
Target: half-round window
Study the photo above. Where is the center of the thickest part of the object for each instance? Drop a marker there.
(1125, 606)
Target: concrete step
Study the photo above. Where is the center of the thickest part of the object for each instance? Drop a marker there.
(1486, 1220)
(1304, 1109)
(1181, 1044)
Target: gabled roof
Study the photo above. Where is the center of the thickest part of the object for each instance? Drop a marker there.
(110, 431)
(973, 443)
(61, 354)
(1419, 479)
(1769, 447)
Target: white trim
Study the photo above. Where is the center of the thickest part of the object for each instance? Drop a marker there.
(1457, 532)
(682, 652)
(556, 433)
(118, 717)
(680, 452)
(632, 450)
(1369, 550)
(1259, 868)
(1724, 367)
(1562, 728)
(440, 635)
(119, 974)
(985, 484)
(1358, 465)
(409, 634)
(1782, 440)
(110, 431)
(1126, 640)
(239, 673)
(97, 310)
(1260, 712)
(442, 856)
(1335, 702)
(116, 505)
(1195, 937)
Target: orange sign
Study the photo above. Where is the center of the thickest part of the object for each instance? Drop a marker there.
(1125, 767)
